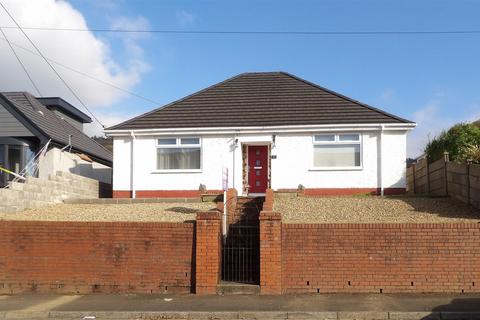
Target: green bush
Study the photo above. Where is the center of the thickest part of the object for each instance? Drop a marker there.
(462, 142)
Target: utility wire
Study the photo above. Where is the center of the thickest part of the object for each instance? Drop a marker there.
(54, 70)
(137, 95)
(257, 32)
(20, 62)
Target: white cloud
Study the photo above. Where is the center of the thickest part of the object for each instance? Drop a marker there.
(130, 39)
(185, 18)
(431, 121)
(387, 95)
(429, 124)
(108, 119)
(80, 50)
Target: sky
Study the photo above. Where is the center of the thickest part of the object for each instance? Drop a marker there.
(430, 79)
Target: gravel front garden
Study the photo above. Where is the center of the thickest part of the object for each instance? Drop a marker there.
(373, 209)
(141, 212)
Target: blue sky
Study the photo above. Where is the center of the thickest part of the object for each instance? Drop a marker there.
(432, 79)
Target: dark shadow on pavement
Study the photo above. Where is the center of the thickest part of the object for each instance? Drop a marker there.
(457, 309)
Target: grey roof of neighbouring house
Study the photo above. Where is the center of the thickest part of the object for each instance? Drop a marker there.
(50, 126)
(260, 99)
(66, 107)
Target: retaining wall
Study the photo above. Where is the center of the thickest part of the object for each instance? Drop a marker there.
(88, 257)
(376, 258)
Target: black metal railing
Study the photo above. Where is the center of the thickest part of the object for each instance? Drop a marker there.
(241, 248)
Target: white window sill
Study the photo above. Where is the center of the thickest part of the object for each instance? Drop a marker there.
(336, 169)
(178, 171)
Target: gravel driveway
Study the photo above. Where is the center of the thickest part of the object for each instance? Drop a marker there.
(374, 210)
(164, 212)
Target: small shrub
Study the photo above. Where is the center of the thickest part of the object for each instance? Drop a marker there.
(459, 141)
(470, 153)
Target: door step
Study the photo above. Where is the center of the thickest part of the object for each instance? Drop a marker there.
(233, 288)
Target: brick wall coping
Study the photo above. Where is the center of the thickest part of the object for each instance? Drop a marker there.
(270, 215)
(119, 224)
(440, 225)
(209, 215)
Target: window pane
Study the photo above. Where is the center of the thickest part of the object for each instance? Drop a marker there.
(178, 158)
(325, 137)
(167, 141)
(349, 137)
(190, 141)
(344, 155)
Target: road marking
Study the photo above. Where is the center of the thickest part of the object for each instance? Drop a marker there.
(51, 304)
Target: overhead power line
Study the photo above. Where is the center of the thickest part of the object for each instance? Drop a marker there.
(258, 32)
(20, 62)
(134, 94)
(50, 65)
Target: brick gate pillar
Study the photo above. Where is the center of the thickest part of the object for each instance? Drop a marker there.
(208, 254)
(270, 252)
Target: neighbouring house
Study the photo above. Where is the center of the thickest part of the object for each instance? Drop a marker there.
(262, 130)
(28, 123)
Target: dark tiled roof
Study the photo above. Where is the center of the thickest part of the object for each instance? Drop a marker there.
(260, 99)
(65, 107)
(52, 126)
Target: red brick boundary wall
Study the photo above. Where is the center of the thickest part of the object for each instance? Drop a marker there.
(208, 252)
(270, 252)
(89, 257)
(386, 258)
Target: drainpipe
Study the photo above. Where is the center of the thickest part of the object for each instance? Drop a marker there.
(132, 158)
(382, 127)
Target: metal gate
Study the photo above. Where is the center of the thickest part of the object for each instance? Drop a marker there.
(241, 249)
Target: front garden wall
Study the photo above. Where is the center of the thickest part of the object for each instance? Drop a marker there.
(89, 257)
(328, 258)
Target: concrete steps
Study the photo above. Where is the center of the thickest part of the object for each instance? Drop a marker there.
(234, 288)
(36, 193)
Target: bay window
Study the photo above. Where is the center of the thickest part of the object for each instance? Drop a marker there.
(178, 154)
(337, 151)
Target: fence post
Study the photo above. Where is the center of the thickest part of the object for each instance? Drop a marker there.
(469, 196)
(208, 252)
(414, 169)
(446, 158)
(427, 167)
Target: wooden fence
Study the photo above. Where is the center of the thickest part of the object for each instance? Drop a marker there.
(444, 178)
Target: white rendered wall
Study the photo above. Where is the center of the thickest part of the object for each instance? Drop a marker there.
(294, 163)
(394, 159)
(292, 166)
(56, 160)
(122, 154)
(216, 154)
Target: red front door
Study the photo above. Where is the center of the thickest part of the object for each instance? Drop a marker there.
(257, 169)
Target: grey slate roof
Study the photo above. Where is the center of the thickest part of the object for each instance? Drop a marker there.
(53, 127)
(260, 99)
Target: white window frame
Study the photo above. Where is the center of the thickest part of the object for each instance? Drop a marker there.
(337, 141)
(178, 145)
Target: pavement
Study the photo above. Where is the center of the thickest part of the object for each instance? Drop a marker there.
(318, 306)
